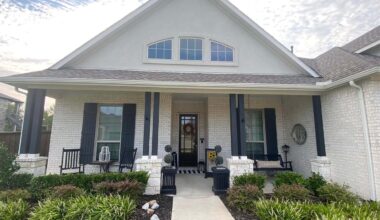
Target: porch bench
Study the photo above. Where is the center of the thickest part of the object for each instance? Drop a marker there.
(271, 162)
(70, 161)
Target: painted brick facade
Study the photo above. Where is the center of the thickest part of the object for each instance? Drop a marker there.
(345, 146)
(67, 124)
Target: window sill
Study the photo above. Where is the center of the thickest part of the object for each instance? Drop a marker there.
(191, 63)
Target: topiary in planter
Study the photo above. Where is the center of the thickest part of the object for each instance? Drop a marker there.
(219, 161)
(168, 158)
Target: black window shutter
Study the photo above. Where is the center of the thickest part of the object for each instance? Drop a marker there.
(271, 131)
(128, 133)
(88, 133)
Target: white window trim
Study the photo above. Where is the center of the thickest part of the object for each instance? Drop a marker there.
(206, 52)
(97, 131)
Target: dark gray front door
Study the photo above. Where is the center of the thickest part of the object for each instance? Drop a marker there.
(188, 140)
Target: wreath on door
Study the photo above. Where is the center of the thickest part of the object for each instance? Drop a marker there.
(188, 129)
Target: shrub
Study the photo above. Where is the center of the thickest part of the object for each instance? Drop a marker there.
(14, 195)
(40, 185)
(242, 197)
(276, 209)
(14, 210)
(86, 207)
(17, 181)
(333, 192)
(132, 188)
(315, 182)
(252, 179)
(293, 192)
(7, 165)
(65, 192)
(50, 209)
(288, 178)
(101, 207)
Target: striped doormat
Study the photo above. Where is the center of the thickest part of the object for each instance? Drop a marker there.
(190, 170)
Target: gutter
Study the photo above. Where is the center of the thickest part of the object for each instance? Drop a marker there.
(371, 173)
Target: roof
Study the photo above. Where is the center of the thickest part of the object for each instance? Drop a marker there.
(338, 63)
(149, 5)
(9, 98)
(125, 75)
(364, 40)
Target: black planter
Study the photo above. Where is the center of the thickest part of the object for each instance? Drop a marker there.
(221, 177)
(168, 180)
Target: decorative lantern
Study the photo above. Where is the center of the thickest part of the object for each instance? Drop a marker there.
(286, 149)
(105, 154)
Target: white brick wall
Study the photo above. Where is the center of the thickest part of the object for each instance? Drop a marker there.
(372, 97)
(68, 118)
(344, 139)
(219, 124)
(299, 110)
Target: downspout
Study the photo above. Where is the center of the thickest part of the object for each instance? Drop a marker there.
(367, 139)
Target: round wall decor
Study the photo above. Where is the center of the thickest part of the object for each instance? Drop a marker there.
(299, 134)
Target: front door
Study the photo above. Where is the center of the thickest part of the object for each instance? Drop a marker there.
(188, 140)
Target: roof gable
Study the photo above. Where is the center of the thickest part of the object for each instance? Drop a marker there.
(364, 42)
(150, 6)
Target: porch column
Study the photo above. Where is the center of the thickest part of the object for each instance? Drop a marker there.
(29, 153)
(151, 165)
(241, 112)
(156, 121)
(321, 164)
(234, 128)
(148, 97)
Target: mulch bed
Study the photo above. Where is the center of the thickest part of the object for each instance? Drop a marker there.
(238, 215)
(164, 212)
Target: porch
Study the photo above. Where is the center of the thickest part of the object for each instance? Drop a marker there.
(189, 122)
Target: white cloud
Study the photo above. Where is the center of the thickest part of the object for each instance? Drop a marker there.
(33, 39)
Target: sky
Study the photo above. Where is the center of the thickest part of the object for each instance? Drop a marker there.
(34, 34)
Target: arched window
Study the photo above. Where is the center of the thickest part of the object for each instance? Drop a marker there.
(160, 50)
(221, 52)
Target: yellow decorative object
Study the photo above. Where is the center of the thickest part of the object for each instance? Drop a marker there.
(212, 155)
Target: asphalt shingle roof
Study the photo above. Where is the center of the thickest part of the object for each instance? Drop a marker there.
(170, 76)
(364, 40)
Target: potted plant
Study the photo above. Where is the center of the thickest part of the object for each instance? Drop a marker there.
(168, 173)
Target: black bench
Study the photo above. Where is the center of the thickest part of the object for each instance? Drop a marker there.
(127, 160)
(70, 161)
(280, 166)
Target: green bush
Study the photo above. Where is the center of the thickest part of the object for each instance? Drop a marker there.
(14, 195)
(315, 182)
(242, 197)
(40, 185)
(86, 207)
(333, 192)
(293, 192)
(66, 192)
(277, 209)
(251, 179)
(18, 181)
(14, 210)
(288, 178)
(7, 166)
(132, 188)
(50, 209)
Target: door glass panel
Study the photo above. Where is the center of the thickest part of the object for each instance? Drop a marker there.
(188, 146)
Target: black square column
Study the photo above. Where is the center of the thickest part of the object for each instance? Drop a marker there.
(318, 122)
(234, 127)
(148, 98)
(156, 122)
(242, 135)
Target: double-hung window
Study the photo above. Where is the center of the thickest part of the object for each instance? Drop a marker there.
(191, 49)
(160, 50)
(255, 141)
(109, 129)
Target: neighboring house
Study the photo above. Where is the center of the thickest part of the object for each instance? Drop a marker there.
(200, 73)
(9, 113)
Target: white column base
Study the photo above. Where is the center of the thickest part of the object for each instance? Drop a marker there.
(239, 167)
(322, 165)
(153, 167)
(32, 163)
